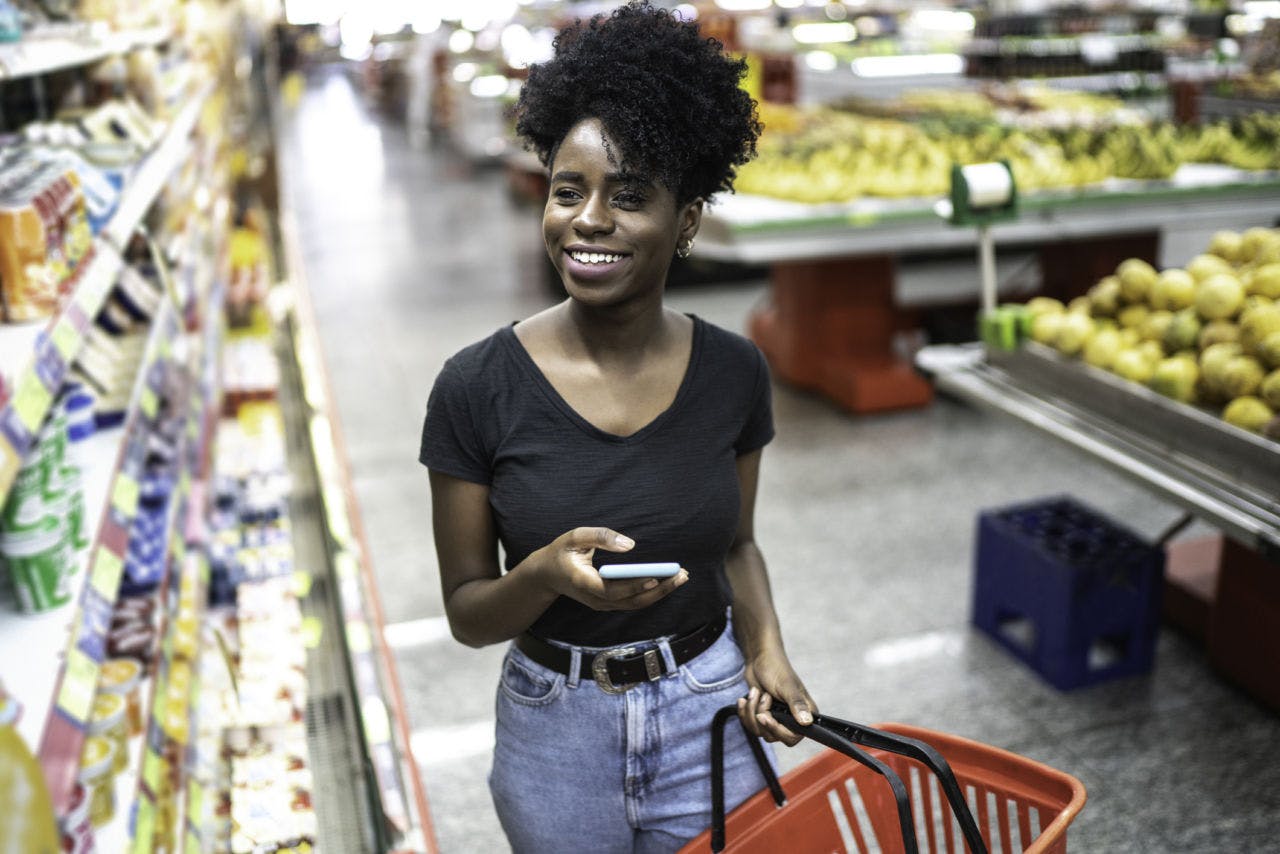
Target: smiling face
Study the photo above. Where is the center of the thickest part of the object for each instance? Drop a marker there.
(610, 235)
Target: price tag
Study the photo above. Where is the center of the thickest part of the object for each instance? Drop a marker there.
(79, 685)
(144, 828)
(124, 495)
(149, 403)
(10, 463)
(31, 401)
(345, 566)
(105, 575)
(66, 339)
(301, 583)
(312, 630)
(152, 768)
(358, 638)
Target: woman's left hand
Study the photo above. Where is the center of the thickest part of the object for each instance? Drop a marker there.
(771, 676)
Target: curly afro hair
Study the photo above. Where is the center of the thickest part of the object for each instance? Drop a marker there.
(666, 96)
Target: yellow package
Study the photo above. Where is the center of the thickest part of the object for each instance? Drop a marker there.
(44, 237)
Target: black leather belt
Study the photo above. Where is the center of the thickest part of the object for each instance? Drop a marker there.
(620, 668)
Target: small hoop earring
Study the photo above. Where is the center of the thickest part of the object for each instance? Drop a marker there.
(686, 250)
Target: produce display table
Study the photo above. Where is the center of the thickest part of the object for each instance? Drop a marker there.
(1225, 590)
(831, 322)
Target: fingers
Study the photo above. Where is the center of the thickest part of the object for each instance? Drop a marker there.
(755, 712)
(587, 538)
(631, 594)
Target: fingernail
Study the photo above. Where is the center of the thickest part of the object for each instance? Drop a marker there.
(650, 584)
(624, 542)
(804, 717)
(751, 695)
(682, 578)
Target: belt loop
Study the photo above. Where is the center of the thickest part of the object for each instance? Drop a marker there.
(668, 658)
(575, 666)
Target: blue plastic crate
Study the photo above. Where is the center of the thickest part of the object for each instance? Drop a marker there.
(1071, 593)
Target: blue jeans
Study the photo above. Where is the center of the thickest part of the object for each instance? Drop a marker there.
(580, 771)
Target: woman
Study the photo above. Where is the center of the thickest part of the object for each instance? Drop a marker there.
(610, 429)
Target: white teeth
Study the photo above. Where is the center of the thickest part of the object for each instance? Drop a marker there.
(594, 257)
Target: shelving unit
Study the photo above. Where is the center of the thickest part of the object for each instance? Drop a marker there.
(364, 772)
(49, 350)
(38, 53)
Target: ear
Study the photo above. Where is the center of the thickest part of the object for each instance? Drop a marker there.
(690, 219)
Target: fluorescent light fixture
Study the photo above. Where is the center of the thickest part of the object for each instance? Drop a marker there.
(821, 60)
(822, 33)
(465, 72)
(788, 4)
(942, 20)
(517, 45)
(908, 66)
(1262, 8)
(744, 5)
(461, 41)
(489, 86)
(686, 12)
(356, 29)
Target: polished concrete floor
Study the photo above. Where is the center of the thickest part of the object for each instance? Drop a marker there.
(867, 523)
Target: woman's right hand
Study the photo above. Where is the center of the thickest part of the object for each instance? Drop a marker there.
(564, 565)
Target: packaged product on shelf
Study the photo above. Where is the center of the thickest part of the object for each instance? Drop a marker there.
(109, 719)
(44, 237)
(76, 824)
(97, 775)
(31, 828)
(42, 526)
(271, 785)
(100, 187)
(122, 677)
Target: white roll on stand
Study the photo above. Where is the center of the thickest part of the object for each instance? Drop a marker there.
(982, 194)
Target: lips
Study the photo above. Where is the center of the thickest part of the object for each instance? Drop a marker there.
(593, 266)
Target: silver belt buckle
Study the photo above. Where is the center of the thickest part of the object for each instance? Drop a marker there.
(600, 668)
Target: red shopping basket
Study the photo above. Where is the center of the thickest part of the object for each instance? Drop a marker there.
(878, 800)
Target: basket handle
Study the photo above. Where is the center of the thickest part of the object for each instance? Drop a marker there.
(912, 748)
(819, 733)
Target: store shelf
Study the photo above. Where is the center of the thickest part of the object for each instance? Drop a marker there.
(42, 637)
(756, 229)
(1226, 476)
(77, 659)
(48, 349)
(37, 54)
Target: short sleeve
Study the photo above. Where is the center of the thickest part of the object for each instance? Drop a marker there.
(450, 443)
(758, 431)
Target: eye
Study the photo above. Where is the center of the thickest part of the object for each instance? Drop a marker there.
(565, 194)
(629, 199)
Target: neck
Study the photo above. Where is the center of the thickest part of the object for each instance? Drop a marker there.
(619, 333)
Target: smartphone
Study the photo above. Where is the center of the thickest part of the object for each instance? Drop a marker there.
(613, 571)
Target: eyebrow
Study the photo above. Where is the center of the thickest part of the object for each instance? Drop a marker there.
(612, 177)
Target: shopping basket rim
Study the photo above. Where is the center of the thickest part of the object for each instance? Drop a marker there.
(945, 742)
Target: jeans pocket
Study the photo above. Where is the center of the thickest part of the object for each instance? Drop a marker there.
(529, 687)
(720, 667)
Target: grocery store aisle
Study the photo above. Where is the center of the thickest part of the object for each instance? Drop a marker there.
(867, 523)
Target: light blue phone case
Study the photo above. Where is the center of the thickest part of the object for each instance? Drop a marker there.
(614, 571)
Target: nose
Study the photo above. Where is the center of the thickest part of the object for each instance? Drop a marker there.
(593, 216)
